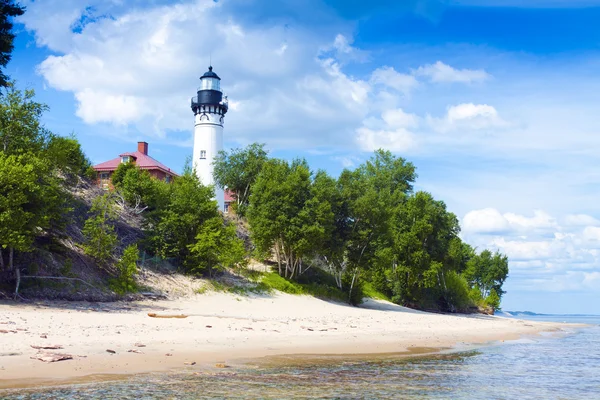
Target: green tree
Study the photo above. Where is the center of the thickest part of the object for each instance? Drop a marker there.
(8, 10)
(126, 270)
(140, 190)
(487, 271)
(283, 216)
(333, 211)
(216, 247)
(99, 231)
(424, 233)
(65, 154)
(374, 192)
(173, 227)
(238, 171)
(21, 130)
(31, 201)
(119, 174)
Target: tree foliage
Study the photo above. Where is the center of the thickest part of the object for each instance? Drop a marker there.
(173, 228)
(99, 230)
(216, 247)
(8, 9)
(238, 171)
(284, 216)
(32, 199)
(369, 226)
(126, 271)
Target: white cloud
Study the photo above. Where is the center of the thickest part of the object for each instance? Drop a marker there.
(467, 116)
(389, 77)
(543, 254)
(488, 220)
(525, 250)
(580, 220)
(398, 118)
(540, 220)
(394, 140)
(591, 233)
(391, 131)
(440, 72)
(141, 67)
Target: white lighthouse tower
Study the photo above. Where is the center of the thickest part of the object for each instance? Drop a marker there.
(209, 109)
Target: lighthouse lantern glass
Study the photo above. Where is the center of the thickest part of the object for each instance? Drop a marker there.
(210, 84)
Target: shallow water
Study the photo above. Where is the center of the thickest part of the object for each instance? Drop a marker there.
(566, 367)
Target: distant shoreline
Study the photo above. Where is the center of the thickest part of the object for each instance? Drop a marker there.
(224, 329)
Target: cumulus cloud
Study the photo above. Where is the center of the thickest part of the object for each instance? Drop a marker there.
(440, 72)
(543, 254)
(140, 67)
(580, 220)
(487, 220)
(391, 131)
(467, 116)
(490, 221)
(389, 77)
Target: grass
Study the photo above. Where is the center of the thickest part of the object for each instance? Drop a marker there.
(319, 284)
(370, 291)
(320, 290)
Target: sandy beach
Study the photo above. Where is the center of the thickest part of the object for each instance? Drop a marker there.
(120, 338)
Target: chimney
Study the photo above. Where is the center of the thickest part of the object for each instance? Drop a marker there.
(143, 148)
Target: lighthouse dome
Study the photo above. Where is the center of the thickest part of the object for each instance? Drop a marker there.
(210, 81)
(210, 74)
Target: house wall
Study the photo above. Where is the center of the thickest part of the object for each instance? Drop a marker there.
(106, 182)
(103, 179)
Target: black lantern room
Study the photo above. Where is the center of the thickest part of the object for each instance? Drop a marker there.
(210, 97)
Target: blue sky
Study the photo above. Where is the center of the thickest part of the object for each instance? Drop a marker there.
(494, 101)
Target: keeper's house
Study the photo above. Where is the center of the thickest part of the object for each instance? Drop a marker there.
(139, 158)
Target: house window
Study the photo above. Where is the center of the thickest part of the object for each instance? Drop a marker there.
(104, 180)
(226, 208)
(202, 154)
(168, 178)
(125, 159)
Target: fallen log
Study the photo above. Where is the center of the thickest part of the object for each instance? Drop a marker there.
(155, 315)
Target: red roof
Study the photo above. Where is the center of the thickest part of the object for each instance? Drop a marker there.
(228, 196)
(142, 160)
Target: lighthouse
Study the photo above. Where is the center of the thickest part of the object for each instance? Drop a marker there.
(209, 107)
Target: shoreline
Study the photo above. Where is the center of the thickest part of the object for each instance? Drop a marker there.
(227, 329)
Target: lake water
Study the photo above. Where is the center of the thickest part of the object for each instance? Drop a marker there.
(566, 367)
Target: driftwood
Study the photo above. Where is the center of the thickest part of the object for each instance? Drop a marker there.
(48, 347)
(155, 315)
(52, 357)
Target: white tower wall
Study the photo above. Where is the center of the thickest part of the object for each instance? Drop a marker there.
(208, 141)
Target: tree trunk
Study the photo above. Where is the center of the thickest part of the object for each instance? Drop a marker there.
(278, 255)
(10, 258)
(1, 260)
(352, 286)
(18, 276)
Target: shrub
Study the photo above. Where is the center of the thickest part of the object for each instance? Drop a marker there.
(457, 291)
(126, 269)
(493, 300)
(98, 230)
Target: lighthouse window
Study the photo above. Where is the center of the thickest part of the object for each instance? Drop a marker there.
(210, 84)
(202, 154)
